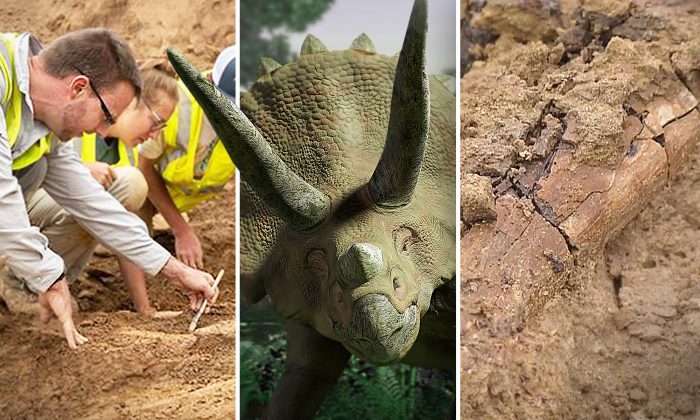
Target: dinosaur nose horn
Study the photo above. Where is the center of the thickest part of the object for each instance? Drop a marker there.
(297, 202)
(360, 263)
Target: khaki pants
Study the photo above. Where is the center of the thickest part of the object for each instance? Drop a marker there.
(66, 237)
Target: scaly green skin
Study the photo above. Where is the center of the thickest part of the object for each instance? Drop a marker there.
(326, 118)
(326, 115)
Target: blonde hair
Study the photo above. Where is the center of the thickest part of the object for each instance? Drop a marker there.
(158, 76)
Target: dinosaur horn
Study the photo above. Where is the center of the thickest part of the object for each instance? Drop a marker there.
(360, 263)
(395, 177)
(299, 204)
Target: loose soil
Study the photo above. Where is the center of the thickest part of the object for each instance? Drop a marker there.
(133, 366)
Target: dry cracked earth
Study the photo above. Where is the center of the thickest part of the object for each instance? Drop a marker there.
(580, 294)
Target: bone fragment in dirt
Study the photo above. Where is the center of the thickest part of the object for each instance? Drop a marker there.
(636, 180)
(166, 314)
(510, 267)
(585, 217)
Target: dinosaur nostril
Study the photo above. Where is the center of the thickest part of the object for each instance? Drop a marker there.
(399, 287)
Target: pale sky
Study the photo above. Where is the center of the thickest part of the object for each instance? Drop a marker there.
(385, 21)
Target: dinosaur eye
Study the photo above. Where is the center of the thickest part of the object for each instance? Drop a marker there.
(315, 276)
(404, 238)
(316, 262)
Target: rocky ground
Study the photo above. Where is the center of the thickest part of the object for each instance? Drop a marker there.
(580, 293)
(132, 367)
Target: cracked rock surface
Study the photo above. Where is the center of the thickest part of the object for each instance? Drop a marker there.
(579, 132)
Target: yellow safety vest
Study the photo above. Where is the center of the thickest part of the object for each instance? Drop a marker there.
(176, 166)
(87, 147)
(11, 103)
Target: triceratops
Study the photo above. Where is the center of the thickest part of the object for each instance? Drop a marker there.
(347, 207)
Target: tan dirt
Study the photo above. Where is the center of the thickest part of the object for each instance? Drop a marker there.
(579, 316)
(132, 367)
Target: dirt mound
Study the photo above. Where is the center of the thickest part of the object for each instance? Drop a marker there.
(133, 367)
(200, 28)
(579, 113)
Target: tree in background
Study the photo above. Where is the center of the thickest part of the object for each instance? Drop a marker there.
(265, 25)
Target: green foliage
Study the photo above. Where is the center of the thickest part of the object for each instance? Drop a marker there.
(363, 391)
(263, 27)
(260, 369)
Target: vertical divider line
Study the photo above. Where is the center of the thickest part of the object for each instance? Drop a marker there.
(237, 368)
(458, 230)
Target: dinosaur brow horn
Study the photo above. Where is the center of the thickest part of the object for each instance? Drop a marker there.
(294, 200)
(396, 175)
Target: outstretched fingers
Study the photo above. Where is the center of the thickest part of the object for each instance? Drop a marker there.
(73, 337)
(57, 303)
(79, 338)
(69, 332)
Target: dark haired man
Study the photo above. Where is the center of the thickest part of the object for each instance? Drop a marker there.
(81, 83)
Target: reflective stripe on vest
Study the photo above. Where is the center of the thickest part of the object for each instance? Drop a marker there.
(176, 166)
(12, 107)
(87, 147)
(181, 129)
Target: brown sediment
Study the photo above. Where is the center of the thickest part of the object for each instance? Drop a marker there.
(589, 273)
(133, 366)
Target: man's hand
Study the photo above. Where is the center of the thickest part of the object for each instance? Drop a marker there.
(56, 302)
(188, 249)
(102, 172)
(197, 285)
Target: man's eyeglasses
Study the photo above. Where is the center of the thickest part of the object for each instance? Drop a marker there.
(158, 122)
(109, 118)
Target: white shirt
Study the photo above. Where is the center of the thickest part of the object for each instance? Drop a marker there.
(69, 183)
